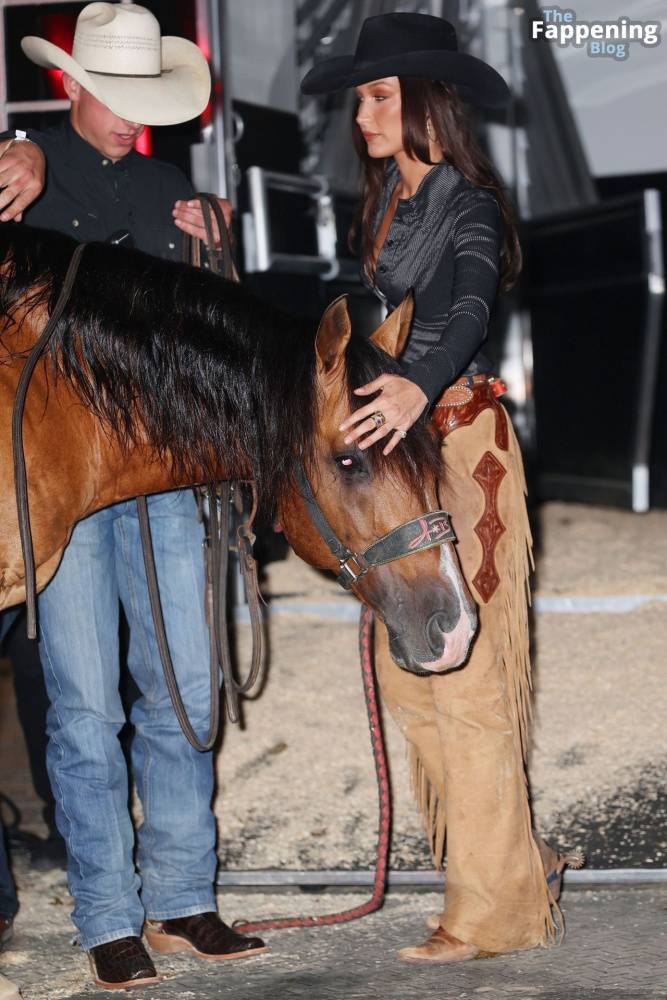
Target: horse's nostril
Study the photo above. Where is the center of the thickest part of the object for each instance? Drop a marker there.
(436, 626)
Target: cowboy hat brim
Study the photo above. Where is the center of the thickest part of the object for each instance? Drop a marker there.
(180, 93)
(477, 81)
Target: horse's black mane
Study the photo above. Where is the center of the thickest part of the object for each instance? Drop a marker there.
(206, 367)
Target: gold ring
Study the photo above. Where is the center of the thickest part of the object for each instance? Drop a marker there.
(378, 418)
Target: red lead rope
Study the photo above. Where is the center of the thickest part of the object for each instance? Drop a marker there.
(384, 803)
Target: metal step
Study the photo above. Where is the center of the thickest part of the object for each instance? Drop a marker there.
(279, 881)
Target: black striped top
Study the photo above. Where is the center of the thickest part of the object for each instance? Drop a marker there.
(444, 242)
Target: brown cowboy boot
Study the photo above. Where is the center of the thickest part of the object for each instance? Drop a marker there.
(6, 930)
(8, 989)
(122, 964)
(553, 864)
(204, 934)
(441, 948)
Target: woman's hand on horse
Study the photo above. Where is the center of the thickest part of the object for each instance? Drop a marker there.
(189, 217)
(22, 173)
(400, 402)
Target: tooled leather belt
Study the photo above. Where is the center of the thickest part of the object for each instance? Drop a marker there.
(465, 399)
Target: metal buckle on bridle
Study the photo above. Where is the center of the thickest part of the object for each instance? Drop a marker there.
(351, 570)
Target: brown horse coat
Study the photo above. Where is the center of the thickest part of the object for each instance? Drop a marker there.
(89, 443)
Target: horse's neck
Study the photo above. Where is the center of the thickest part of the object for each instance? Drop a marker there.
(75, 465)
(76, 461)
(122, 474)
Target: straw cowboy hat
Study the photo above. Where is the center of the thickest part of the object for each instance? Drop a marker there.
(120, 58)
(409, 45)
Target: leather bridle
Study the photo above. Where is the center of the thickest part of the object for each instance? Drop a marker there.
(420, 533)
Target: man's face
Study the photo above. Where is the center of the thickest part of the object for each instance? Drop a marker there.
(110, 135)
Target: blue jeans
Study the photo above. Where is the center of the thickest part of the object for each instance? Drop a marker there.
(8, 901)
(7, 619)
(78, 620)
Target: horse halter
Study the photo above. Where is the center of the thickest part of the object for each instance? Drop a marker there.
(422, 532)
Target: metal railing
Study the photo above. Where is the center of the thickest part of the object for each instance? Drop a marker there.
(258, 243)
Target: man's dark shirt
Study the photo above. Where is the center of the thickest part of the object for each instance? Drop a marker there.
(89, 197)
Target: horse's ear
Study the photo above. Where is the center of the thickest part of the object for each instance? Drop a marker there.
(333, 335)
(393, 333)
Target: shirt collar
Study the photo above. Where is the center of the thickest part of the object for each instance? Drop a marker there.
(434, 191)
(86, 157)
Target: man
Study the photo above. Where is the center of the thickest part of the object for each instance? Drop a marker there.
(8, 901)
(8, 908)
(121, 70)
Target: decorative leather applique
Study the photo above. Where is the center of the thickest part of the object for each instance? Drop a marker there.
(502, 434)
(489, 473)
(453, 410)
(457, 395)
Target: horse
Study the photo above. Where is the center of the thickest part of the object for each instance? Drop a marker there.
(160, 376)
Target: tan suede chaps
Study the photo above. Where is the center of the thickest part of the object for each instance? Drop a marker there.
(467, 729)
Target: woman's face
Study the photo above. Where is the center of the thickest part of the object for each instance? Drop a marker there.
(379, 116)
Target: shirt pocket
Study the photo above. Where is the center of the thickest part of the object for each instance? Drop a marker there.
(73, 222)
(165, 242)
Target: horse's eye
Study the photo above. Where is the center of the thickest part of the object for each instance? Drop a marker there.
(349, 463)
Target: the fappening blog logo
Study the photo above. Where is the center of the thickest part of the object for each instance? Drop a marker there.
(612, 39)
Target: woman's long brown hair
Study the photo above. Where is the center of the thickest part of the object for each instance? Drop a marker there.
(423, 99)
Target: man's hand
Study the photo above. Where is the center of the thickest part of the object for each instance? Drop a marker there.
(189, 217)
(22, 172)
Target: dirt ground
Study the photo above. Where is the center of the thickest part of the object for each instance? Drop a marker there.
(599, 713)
(296, 784)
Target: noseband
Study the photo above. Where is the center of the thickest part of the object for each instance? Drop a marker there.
(423, 532)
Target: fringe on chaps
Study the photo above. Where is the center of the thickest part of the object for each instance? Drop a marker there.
(468, 730)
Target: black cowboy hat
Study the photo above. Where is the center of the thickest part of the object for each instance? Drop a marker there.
(409, 45)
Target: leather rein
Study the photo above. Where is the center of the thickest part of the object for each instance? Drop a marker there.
(215, 506)
(18, 451)
(216, 497)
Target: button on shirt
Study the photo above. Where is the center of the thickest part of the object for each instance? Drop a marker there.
(444, 243)
(89, 197)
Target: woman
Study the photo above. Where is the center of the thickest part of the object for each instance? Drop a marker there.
(436, 220)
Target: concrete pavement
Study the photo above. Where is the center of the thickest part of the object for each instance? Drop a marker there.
(616, 947)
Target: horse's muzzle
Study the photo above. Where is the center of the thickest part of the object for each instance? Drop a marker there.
(444, 644)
